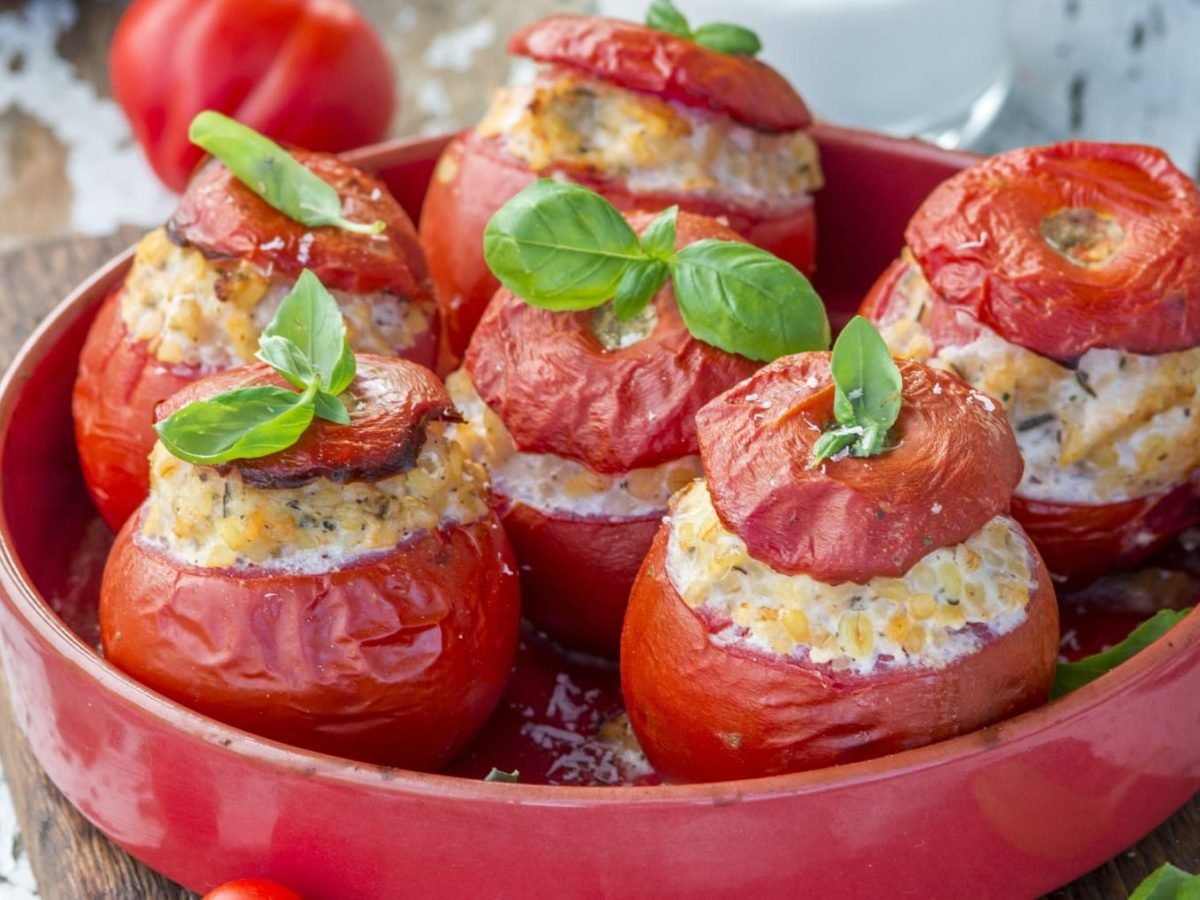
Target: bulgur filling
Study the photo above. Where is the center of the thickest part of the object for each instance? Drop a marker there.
(932, 615)
(566, 119)
(1118, 426)
(206, 519)
(554, 483)
(210, 313)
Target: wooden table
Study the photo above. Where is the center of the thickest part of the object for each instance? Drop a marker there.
(73, 861)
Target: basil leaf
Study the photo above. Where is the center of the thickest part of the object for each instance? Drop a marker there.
(866, 379)
(1072, 676)
(658, 240)
(286, 358)
(744, 300)
(328, 406)
(499, 775)
(663, 16)
(731, 39)
(309, 319)
(274, 174)
(1168, 882)
(637, 286)
(560, 246)
(240, 424)
(831, 443)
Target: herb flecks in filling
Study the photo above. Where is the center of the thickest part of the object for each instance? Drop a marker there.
(1084, 237)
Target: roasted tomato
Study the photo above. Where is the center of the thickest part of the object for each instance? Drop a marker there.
(308, 72)
(1062, 282)
(200, 291)
(251, 889)
(647, 119)
(353, 594)
(789, 617)
(586, 425)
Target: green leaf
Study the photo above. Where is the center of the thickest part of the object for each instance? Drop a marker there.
(833, 442)
(731, 39)
(560, 246)
(241, 424)
(499, 775)
(286, 358)
(866, 379)
(1168, 882)
(329, 407)
(744, 300)
(663, 15)
(273, 173)
(310, 320)
(1072, 676)
(658, 240)
(637, 286)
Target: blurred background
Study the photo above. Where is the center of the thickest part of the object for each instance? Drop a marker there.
(984, 74)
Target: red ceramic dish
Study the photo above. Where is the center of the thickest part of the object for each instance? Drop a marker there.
(1012, 810)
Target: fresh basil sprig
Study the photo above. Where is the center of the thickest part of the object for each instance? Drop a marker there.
(866, 399)
(563, 247)
(720, 36)
(306, 344)
(274, 174)
(1168, 882)
(1072, 676)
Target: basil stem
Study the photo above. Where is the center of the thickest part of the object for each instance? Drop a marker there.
(724, 38)
(867, 390)
(306, 343)
(273, 174)
(563, 247)
(1072, 676)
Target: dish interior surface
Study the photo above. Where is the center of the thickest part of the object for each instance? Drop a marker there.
(561, 721)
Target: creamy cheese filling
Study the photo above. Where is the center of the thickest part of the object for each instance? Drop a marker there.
(209, 314)
(1118, 426)
(555, 484)
(203, 518)
(937, 612)
(651, 144)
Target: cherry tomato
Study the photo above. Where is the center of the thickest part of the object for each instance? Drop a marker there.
(251, 889)
(306, 72)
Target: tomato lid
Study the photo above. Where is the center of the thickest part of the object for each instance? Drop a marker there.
(954, 469)
(391, 403)
(1064, 248)
(559, 390)
(221, 217)
(641, 58)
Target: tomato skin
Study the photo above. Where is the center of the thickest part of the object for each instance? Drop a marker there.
(707, 713)
(307, 72)
(576, 573)
(1079, 542)
(251, 889)
(641, 58)
(979, 240)
(118, 385)
(953, 470)
(558, 390)
(397, 659)
(475, 177)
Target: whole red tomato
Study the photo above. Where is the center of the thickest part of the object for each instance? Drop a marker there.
(251, 889)
(308, 72)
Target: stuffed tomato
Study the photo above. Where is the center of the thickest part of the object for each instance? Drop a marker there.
(1063, 282)
(200, 291)
(644, 117)
(585, 424)
(793, 615)
(352, 594)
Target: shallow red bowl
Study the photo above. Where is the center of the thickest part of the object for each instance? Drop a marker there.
(1012, 810)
